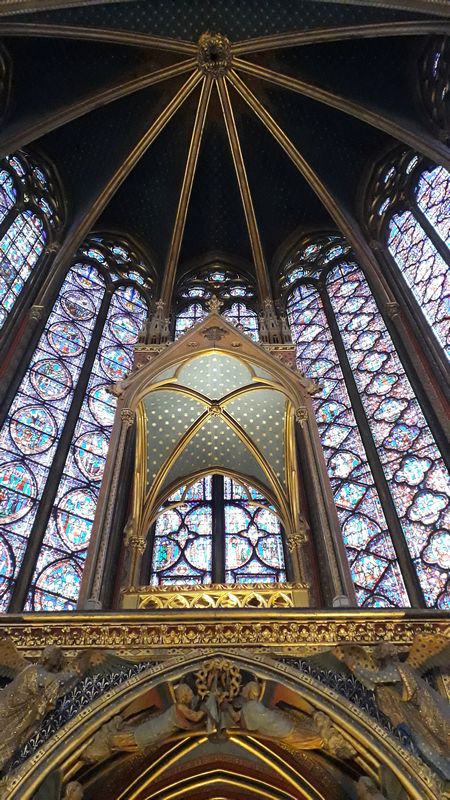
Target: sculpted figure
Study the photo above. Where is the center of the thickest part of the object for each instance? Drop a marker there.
(275, 724)
(35, 688)
(32, 693)
(404, 696)
(333, 741)
(155, 730)
(74, 791)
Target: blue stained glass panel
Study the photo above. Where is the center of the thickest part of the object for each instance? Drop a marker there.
(8, 193)
(182, 547)
(188, 317)
(31, 431)
(375, 570)
(57, 577)
(245, 318)
(424, 270)
(414, 469)
(254, 550)
(433, 198)
(20, 248)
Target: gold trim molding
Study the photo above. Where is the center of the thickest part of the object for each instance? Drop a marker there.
(256, 595)
(280, 630)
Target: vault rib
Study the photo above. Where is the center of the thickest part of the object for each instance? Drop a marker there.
(12, 140)
(186, 188)
(110, 35)
(418, 140)
(319, 35)
(343, 220)
(262, 275)
(82, 227)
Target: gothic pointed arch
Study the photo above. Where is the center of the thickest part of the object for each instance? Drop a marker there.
(211, 403)
(31, 223)
(288, 770)
(407, 213)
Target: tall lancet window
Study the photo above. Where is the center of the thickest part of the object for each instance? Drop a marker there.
(29, 222)
(217, 530)
(236, 293)
(410, 213)
(389, 481)
(55, 435)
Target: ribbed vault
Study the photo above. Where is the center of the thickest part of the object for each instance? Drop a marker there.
(197, 143)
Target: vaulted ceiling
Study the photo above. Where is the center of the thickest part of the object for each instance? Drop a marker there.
(277, 142)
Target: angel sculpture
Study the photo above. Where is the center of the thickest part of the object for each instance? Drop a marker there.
(33, 692)
(112, 737)
(404, 696)
(297, 732)
(36, 687)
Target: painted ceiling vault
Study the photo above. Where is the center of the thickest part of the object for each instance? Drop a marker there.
(215, 414)
(224, 144)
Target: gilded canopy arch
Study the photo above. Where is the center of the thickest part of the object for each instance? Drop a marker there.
(330, 745)
(230, 406)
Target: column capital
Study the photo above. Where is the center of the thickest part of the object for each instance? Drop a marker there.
(36, 313)
(392, 309)
(301, 415)
(127, 417)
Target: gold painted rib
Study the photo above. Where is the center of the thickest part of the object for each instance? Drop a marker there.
(418, 140)
(186, 188)
(344, 221)
(341, 33)
(13, 140)
(262, 275)
(80, 230)
(110, 35)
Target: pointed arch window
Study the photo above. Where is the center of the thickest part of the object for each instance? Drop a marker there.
(217, 530)
(237, 295)
(410, 212)
(29, 221)
(389, 481)
(54, 439)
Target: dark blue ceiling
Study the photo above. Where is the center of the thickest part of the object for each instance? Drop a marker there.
(49, 73)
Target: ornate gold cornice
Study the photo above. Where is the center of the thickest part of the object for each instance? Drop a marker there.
(280, 630)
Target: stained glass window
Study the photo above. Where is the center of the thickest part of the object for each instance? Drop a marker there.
(414, 469)
(59, 568)
(253, 540)
(229, 287)
(341, 315)
(87, 344)
(409, 209)
(433, 198)
(188, 317)
(425, 271)
(245, 318)
(221, 531)
(182, 549)
(375, 570)
(20, 248)
(28, 216)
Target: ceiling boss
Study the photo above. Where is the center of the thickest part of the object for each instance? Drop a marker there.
(214, 54)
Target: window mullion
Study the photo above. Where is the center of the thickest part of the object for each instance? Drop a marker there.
(11, 215)
(422, 329)
(398, 539)
(430, 231)
(37, 533)
(218, 515)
